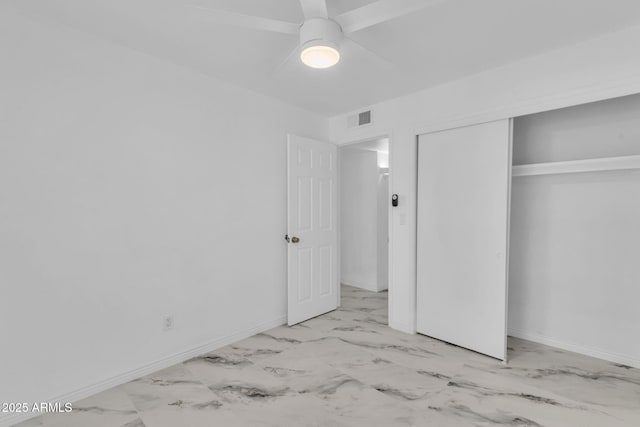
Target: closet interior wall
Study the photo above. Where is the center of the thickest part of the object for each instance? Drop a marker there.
(574, 276)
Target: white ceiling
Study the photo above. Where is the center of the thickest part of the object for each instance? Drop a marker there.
(443, 42)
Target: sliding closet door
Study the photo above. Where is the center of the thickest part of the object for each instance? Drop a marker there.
(464, 180)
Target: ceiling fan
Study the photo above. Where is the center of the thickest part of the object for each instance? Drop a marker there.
(321, 36)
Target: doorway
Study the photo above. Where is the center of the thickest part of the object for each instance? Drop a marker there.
(364, 217)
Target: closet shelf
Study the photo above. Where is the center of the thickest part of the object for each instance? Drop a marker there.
(577, 166)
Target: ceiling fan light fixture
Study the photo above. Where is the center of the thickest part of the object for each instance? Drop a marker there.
(319, 39)
(320, 54)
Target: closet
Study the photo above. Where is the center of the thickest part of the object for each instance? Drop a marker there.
(572, 255)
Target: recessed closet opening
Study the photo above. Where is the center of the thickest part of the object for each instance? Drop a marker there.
(574, 275)
(558, 193)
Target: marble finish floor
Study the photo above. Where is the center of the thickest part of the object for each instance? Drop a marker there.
(347, 368)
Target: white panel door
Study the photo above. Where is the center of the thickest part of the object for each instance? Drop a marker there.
(464, 178)
(312, 228)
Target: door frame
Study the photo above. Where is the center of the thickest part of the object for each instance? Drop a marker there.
(389, 136)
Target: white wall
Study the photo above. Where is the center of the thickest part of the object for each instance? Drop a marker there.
(606, 128)
(574, 269)
(358, 218)
(384, 200)
(130, 189)
(596, 69)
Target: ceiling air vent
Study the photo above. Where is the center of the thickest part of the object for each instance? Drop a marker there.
(360, 119)
(364, 118)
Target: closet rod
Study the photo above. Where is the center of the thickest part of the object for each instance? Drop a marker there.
(577, 166)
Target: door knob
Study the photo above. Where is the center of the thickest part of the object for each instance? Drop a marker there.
(294, 239)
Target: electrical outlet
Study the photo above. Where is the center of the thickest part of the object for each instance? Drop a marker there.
(167, 323)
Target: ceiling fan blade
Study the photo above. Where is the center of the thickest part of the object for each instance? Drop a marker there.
(293, 54)
(353, 49)
(255, 22)
(314, 8)
(378, 12)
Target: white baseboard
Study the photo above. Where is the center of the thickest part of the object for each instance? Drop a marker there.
(7, 420)
(402, 327)
(622, 359)
(356, 284)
